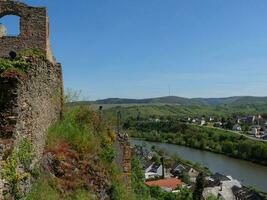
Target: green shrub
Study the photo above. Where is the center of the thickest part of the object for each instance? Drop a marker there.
(19, 66)
(74, 130)
(108, 153)
(83, 194)
(25, 153)
(36, 53)
(42, 190)
(9, 173)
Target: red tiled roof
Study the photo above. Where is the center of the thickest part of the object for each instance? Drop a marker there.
(165, 183)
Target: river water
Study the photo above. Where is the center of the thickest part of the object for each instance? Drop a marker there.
(247, 173)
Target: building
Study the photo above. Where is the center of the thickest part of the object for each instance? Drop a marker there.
(202, 122)
(154, 171)
(169, 184)
(237, 127)
(178, 169)
(217, 124)
(34, 29)
(221, 186)
(243, 193)
(255, 130)
(250, 119)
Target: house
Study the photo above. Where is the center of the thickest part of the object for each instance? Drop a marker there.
(238, 119)
(250, 119)
(211, 119)
(154, 171)
(194, 120)
(169, 184)
(202, 122)
(237, 127)
(192, 173)
(243, 193)
(221, 187)
(217, 124)
(219, 177)
(178, 169)
(255, 130)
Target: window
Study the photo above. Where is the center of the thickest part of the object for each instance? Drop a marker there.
(10, 25)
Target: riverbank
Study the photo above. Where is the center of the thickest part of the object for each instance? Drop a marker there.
(198, 137)
(263, 163)
(250, 174)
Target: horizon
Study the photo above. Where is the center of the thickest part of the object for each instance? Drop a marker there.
(173, 96)
(146, 48)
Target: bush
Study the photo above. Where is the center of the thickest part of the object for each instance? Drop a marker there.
(18, 67)
(75, 130)
(108, 153)
(25, 153)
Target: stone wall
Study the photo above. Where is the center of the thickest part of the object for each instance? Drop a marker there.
(28, 106)
(34, 29)
(124, 158)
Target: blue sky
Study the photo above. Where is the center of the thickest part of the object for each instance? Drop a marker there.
(138, 48)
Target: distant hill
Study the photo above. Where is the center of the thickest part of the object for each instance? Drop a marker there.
(238, 100)
(159, 100)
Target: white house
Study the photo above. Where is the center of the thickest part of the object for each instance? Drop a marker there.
(202, 122)
(255, 130)
(153, 171)
(223, 190)
(237, 127)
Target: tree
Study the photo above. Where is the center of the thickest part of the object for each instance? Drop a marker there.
(197, 194)
(185, 177)
(184, 194)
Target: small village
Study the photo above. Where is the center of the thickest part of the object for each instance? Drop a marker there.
(170, 174)
(254, 126)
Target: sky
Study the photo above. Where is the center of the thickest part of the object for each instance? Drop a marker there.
(152, 48)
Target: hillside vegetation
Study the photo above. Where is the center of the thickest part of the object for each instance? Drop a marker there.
(145, 111)
(79, 162)
(204, 138)
(238, 100)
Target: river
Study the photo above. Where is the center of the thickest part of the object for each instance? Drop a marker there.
(247, 173)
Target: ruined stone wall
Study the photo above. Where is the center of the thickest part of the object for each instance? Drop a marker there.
(124, 158)
(34, 29)
(28, 106)
(127, 164)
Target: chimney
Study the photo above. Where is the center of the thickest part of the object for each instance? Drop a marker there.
(162, 163)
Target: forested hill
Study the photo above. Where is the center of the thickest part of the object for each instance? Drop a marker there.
(237, 100)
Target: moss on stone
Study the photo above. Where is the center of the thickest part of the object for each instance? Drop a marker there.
(8, 67)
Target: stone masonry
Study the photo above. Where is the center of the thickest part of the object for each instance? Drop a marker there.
(34, 29)
(31, 102)
(124, 158)
(28, 106)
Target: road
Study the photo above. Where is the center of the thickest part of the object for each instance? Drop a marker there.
(236, 132)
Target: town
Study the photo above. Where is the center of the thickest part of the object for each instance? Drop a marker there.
(171, 174)
(254, 126)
